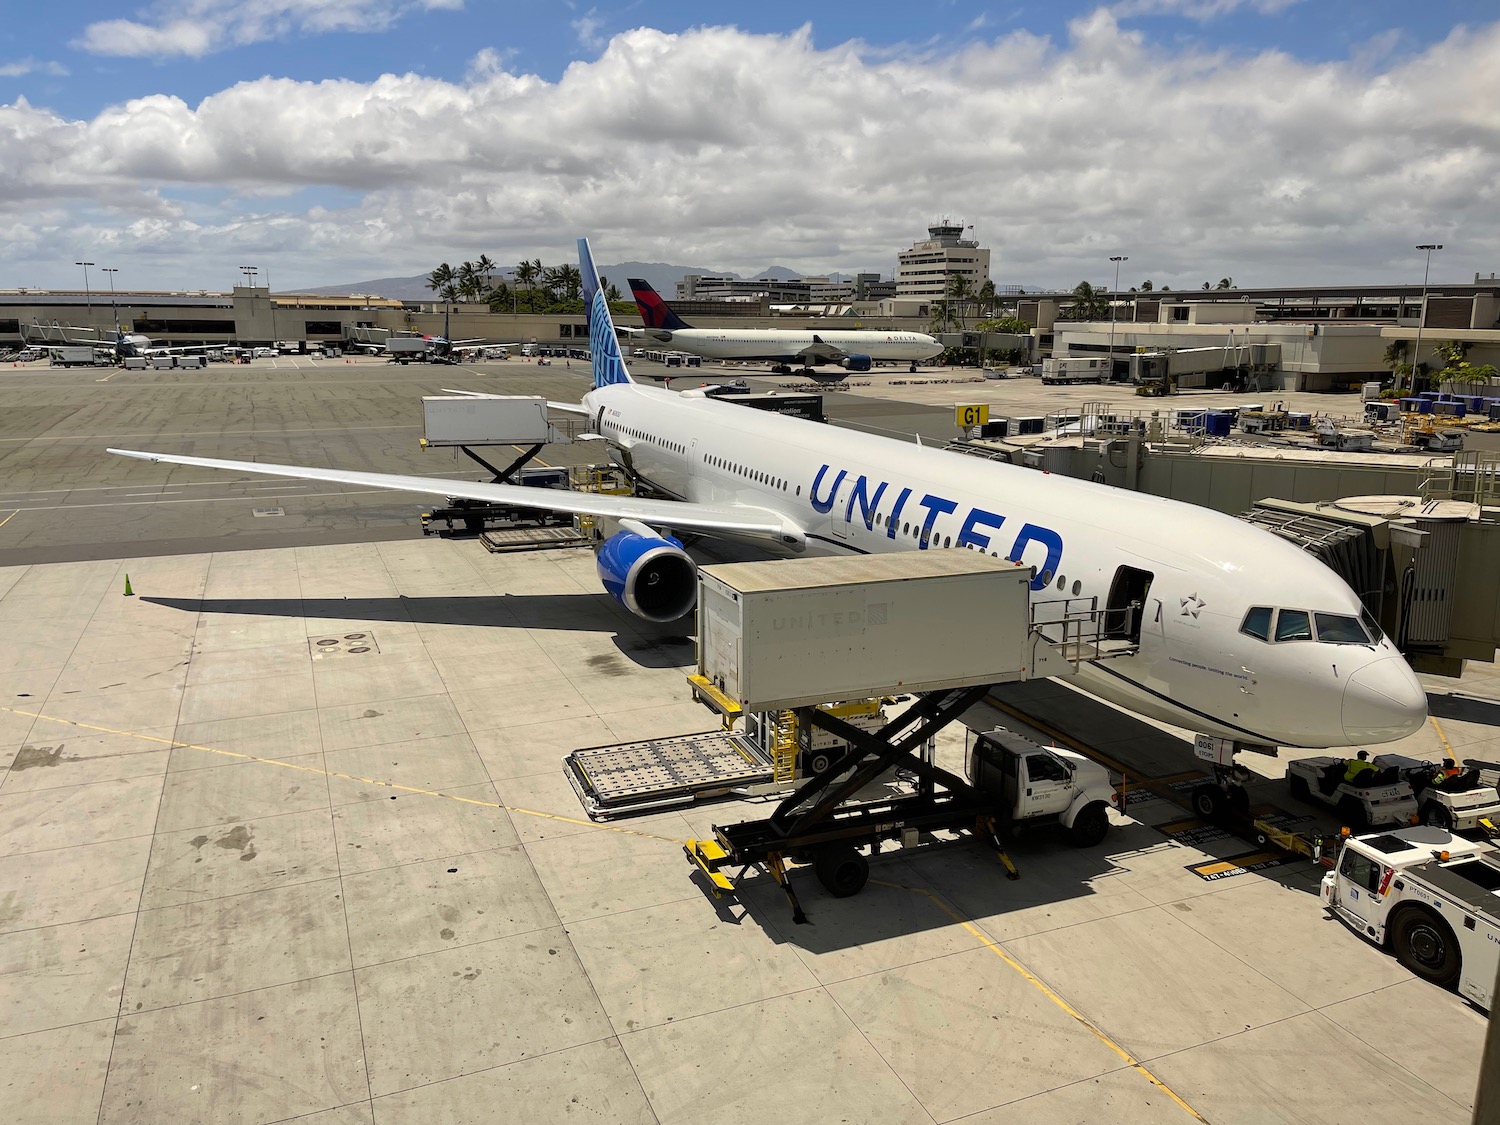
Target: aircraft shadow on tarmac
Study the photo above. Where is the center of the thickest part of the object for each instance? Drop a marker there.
(1464, 709)
(665, 646)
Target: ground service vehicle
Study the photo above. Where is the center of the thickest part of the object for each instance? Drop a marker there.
(1075, 369)
(1459, 803)
(1431, 897)
(1042, 784)
(1381, 796)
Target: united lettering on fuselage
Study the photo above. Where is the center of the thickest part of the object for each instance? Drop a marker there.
(921, 515)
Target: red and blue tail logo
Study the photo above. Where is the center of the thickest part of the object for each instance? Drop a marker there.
(655, 312)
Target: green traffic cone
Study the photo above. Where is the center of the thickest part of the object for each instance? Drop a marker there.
(129, 593)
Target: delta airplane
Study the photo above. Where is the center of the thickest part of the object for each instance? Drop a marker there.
(1223, 628)
(851, 350)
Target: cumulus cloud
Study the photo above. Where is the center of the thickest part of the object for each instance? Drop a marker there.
(736, 150)
(200, 27)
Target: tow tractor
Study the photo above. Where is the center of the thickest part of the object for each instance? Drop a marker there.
(1383, 796)
(1460, 803)
(1428, 895)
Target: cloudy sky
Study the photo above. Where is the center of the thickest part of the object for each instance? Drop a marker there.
(1272, 141)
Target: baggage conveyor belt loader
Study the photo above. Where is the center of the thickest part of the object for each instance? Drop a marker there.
(793, 634)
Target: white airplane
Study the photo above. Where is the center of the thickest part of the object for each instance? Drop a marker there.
(851, 350)
(1226, 629)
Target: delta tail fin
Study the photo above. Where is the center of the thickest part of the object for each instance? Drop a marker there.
(604, 345)
(655, 312)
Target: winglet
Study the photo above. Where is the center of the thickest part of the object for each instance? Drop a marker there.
(604, 346)
(655, 312)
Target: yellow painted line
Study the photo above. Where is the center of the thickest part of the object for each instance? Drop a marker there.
(1041, 987)
(1447, 750)
(1238, 863)
(8, 518)
(107, 378)
(343, 776)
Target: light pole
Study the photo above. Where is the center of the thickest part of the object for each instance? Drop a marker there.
(1416, 351)
(113, 309)
(87, 297)
(1116, 259)
(250, 272)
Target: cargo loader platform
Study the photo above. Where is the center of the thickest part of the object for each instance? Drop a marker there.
(663, 773)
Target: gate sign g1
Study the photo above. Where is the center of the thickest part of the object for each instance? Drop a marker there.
(967, 417)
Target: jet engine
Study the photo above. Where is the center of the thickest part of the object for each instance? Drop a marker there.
(855, 362)
(649, 574)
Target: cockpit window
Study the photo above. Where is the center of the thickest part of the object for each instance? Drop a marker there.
(1367, 619)
(1293, 625)
(1258, 623)
(1335, 628)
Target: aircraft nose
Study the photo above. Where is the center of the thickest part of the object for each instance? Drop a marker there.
(1383, 702)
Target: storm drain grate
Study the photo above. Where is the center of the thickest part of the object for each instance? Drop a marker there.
(270, 511)
(347, 644)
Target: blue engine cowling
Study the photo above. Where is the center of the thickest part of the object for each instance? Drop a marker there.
(855, 362)
(649, 574)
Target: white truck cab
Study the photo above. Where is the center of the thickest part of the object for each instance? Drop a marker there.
(1430, 896)
(1042, 784)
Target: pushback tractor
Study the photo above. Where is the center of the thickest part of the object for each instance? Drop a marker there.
(1431, 897)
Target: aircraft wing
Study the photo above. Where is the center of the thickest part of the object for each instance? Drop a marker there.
(819, 350)
(736, 519)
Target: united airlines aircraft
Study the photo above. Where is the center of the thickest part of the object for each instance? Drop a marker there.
(1218, 626)
(851, 350)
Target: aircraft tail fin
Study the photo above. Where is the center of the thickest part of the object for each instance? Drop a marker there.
(604, 345)
(655, 312)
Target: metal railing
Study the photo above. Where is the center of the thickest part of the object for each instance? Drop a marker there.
(1472, 476)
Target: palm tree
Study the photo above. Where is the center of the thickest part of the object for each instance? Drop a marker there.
(1088, 302)
(440, 278)
(987, 297)
(1225, 283)
(1147, 286)
(526, 275)
(570, 282)
(960, 290)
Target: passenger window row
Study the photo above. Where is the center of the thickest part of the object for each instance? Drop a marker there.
(641, 435)
(1278, 625)
(748, 473)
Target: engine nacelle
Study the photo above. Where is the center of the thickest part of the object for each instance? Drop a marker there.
(855, 363)
(649, 574)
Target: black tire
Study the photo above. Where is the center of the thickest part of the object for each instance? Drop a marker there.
(1299, 787)
(1436, 816)
(1208, 802)
(818, 761)
(1425, 944)
(1352, 812)
(1090, 826)
(841, 869)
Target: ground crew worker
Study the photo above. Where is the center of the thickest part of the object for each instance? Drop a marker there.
(1445, 773)
(1357, 765)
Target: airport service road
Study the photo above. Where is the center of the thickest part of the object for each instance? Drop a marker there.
(62, 498)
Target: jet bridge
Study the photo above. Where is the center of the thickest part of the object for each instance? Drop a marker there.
(788, 635)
